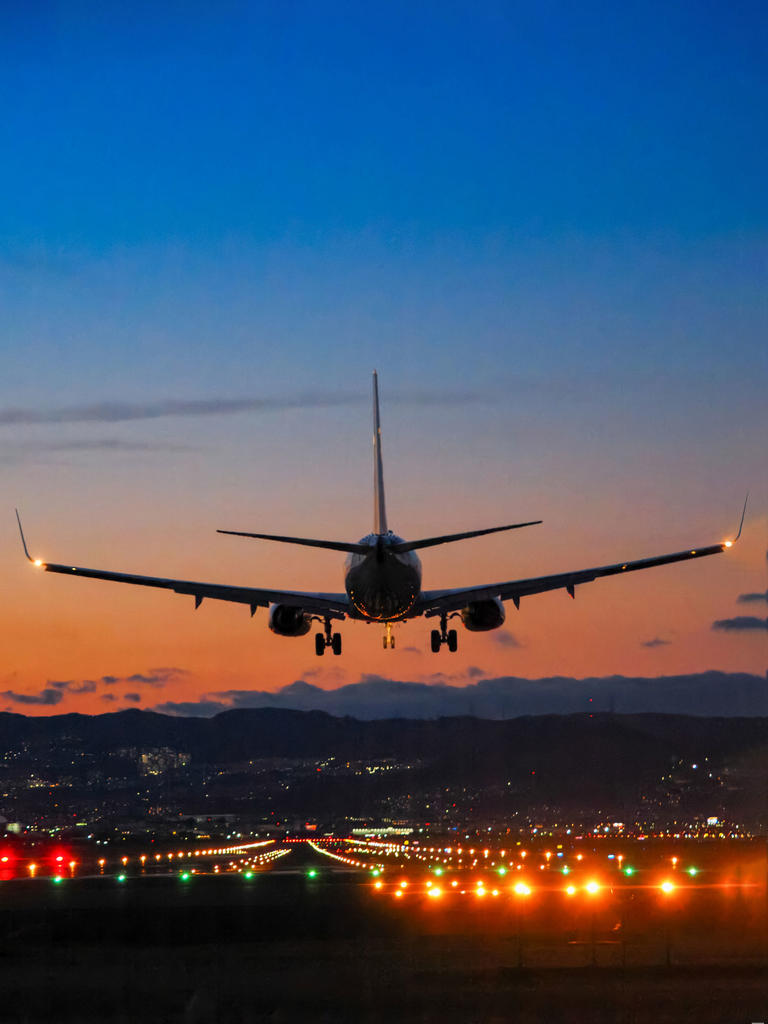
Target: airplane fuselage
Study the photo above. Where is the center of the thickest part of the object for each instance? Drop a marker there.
(382, 585)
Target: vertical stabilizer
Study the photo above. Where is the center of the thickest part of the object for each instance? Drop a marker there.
(379, 507)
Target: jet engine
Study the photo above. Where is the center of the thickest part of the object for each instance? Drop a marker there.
(480, 616)
(285, 620)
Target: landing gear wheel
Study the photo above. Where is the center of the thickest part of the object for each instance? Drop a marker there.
(452, 640)
(435, 640)
(336, 643)
(319, 645)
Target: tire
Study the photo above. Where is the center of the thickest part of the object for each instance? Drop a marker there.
(453, 640)
(319, 645)
(336, 643)
(435, 641)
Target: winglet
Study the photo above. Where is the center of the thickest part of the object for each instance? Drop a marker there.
(23, 539)
(730, 543)
(743, 513)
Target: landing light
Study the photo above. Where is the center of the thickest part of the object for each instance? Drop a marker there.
(38, 562)
(728, 544)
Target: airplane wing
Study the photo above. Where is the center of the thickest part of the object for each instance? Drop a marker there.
(335, 606)
(435, 602)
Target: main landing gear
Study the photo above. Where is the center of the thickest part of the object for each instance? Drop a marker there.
(388, 638)
(327, 639)
(441, 636)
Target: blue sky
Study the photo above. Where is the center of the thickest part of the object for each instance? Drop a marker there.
(544, 223)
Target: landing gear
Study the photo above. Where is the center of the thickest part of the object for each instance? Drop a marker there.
(388, 639)
(441, 636)
(327, 639)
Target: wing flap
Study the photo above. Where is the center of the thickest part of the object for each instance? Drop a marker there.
(333, 605)
(434, 602)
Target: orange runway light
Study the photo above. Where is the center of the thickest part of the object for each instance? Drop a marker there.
(667, 887)
(592, 888)
(521, 889)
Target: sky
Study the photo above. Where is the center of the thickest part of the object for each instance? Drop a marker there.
(544, 224)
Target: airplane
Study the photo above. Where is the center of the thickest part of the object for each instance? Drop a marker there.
(382, 579)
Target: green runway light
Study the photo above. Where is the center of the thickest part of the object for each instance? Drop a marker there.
(629, 871)
(693, 872)
(121, 878)
(438, 871)
(248, 874)
(57, 879)
(185, 876)
(376, 872)
(566, 869)
(311, 873)
(502, 870)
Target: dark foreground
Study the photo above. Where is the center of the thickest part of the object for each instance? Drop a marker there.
(282, 948)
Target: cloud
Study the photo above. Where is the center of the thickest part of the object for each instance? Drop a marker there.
(705, 693)
(751, 598)
(156, 677)
(194, 709)
(109, 697)
(656, 642)
(504, 638)
(125, 412)
(135, 698)
(742, 623)
(73, 685)
(474, 672)
(20, 452)
(48, 696)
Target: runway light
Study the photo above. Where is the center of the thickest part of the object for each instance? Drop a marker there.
(521, 889)
(502, 870)
(571, 890)
(311, 873)
(692, 871)
(399, 893)
(435, 892)
(378, 885)
(57, 879)
(185, 876)
(32, 870)
(629, 871)
(121, 878)
(592, 888)
(667, 887)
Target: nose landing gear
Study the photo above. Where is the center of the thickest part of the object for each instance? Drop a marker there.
(441, 636)
(388, 639)
(327, 639)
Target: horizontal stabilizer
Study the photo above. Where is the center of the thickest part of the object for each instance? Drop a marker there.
(449, 538)
(333, 545)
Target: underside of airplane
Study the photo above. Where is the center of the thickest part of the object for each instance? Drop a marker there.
(383, 579)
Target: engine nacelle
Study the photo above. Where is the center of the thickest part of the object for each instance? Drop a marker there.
(480, 616)
(285, 620)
